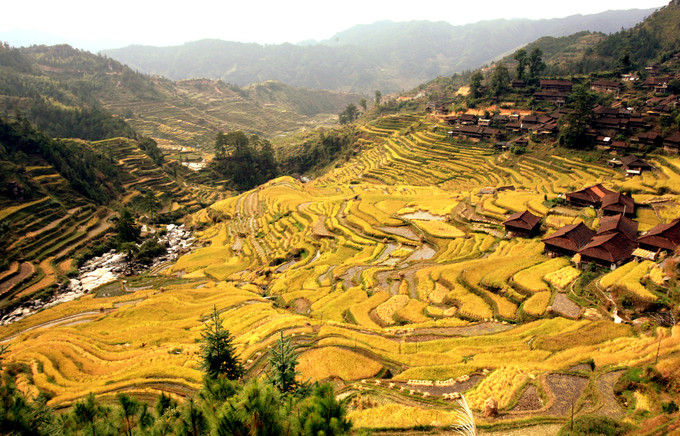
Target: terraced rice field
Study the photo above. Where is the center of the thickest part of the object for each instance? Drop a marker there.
(352, 266)
(48, 231)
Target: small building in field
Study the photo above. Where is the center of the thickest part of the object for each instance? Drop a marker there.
(616, 203)
(523, 223)
(610, 250)
(590, 196)
(633, 165)
(568, 240)
(664, 237)
(618, 224)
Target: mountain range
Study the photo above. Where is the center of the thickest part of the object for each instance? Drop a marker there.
(384, 56)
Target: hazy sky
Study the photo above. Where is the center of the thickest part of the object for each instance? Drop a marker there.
(96, 25)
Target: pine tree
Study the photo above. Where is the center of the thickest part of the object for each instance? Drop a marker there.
(324, 414)
(87, 413)
(283, 362)
(218, 352)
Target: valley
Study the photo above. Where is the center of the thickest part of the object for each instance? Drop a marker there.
(394, 263)
(496, 249)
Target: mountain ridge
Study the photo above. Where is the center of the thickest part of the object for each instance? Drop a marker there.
(385, 55)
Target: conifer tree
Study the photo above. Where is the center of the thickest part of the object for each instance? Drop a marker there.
(217, 350)
(87, 414)
(283, 362)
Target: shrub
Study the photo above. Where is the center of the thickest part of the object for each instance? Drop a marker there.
(669, 408)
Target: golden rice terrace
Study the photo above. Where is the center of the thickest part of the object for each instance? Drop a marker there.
(395, 274)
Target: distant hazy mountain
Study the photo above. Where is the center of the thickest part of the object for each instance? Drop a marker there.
(385, 55)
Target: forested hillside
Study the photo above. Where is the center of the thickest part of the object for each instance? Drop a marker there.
(385, 55)
(71, 93)
(624, 51)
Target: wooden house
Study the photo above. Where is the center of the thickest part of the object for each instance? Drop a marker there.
(618, 147)
(610, 249)
(630, 77)
(606, 86)
(648, 138)
(603, 142)
(616, 203)
(671, 143)
(619, 224)
(479, 132)
(611, 125)
(521, 142)
(556, 97)
(664, 237)
(467, 120)
(523, 223)
(590, 196)
(658, 85)
(633, 165)
(556, 85)
(568, 240)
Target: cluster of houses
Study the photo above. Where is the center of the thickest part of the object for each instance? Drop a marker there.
(616, 240)
(608, 124)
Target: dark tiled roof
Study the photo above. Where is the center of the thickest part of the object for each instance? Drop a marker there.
(592, 194)
(571, 238)
(618, 202)
(523, 220)
(633, 161)
(618, 223)
(610, 248)
(550, 82)
(664, 236)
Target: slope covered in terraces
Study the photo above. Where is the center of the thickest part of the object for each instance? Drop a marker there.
(394, 274)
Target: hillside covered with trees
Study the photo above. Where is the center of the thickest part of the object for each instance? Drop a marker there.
(72, 93)
(385, 55)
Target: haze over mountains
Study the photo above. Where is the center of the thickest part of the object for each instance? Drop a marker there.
(385, 55)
